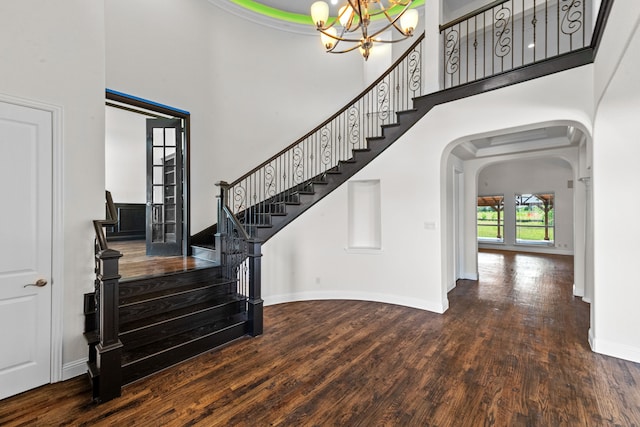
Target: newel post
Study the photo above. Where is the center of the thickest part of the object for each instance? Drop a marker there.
(222, 201)
(109, 349)
(255, 302)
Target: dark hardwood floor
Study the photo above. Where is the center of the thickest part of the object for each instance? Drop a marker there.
(135, 262)
(511, 351)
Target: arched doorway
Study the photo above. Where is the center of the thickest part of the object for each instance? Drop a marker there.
(548, 147)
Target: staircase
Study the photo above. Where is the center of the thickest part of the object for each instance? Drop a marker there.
(167, 319)
(138, 327)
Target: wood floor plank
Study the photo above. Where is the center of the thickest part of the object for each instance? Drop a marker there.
(511, 350)
(136, 263)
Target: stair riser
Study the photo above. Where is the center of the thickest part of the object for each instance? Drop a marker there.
(169, 328)
(150, 365)
(173, 302)
(135, 287)
(205, 254)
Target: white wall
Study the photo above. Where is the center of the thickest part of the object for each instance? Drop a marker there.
(307, 259)
(615, 314)
(251, 90)
(53, 52)
(125, 155)
(534, 175)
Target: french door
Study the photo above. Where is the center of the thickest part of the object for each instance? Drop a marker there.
(164, 187)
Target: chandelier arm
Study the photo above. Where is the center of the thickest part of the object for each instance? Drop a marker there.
(338, 38)
(391, 41)
(358, 10)
(382, 10)
(344, 29)
(400, 3)
(332, 50)
(392, 23)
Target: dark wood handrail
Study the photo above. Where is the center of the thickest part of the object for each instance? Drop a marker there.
(472, 14)
(112, 219)
(342, 110)
(236, 222)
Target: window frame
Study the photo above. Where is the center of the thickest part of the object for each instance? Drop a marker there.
(485, 200)
(549, 226)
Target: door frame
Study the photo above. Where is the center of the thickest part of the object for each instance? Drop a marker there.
(144, 106)
(57, 230)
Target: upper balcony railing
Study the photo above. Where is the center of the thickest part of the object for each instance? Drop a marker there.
(508, 34)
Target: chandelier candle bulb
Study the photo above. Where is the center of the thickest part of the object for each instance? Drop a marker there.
(345, 16)
(320, 13)
(357, 15)
(409, 21)
(329, 40)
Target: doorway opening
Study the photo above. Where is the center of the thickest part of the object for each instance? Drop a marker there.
(498, 168)
(147, 173)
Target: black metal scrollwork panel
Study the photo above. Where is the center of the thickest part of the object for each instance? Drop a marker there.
(298, 164)
(325, 146)
(452, 51)
(353, 127)
(503, 33)
(415, 78)
(239, 197)
(572, 16)
(269, 180)
(383, 100)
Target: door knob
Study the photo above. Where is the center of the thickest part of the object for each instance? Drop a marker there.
(39, 283)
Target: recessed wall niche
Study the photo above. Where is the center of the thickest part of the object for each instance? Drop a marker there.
(364, 217)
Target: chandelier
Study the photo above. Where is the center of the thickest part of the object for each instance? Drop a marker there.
(355, 16)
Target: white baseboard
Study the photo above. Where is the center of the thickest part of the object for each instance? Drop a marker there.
(74, 369)
(436, 307)
(609, 348)
(540, 249)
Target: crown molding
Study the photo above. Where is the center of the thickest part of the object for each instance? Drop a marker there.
(267, 16)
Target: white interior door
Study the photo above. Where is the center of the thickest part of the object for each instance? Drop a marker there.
(25, 248)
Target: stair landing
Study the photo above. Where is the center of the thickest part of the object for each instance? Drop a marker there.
(135, 263)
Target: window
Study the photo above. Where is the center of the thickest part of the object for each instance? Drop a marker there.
(535, 218)
(490, 218)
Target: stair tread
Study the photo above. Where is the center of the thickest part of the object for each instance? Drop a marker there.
(145, 352)
(150, 296)
(174, 314)
(133, 281)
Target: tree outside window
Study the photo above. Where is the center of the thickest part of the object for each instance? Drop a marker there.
(535, 218)
(490, 218)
